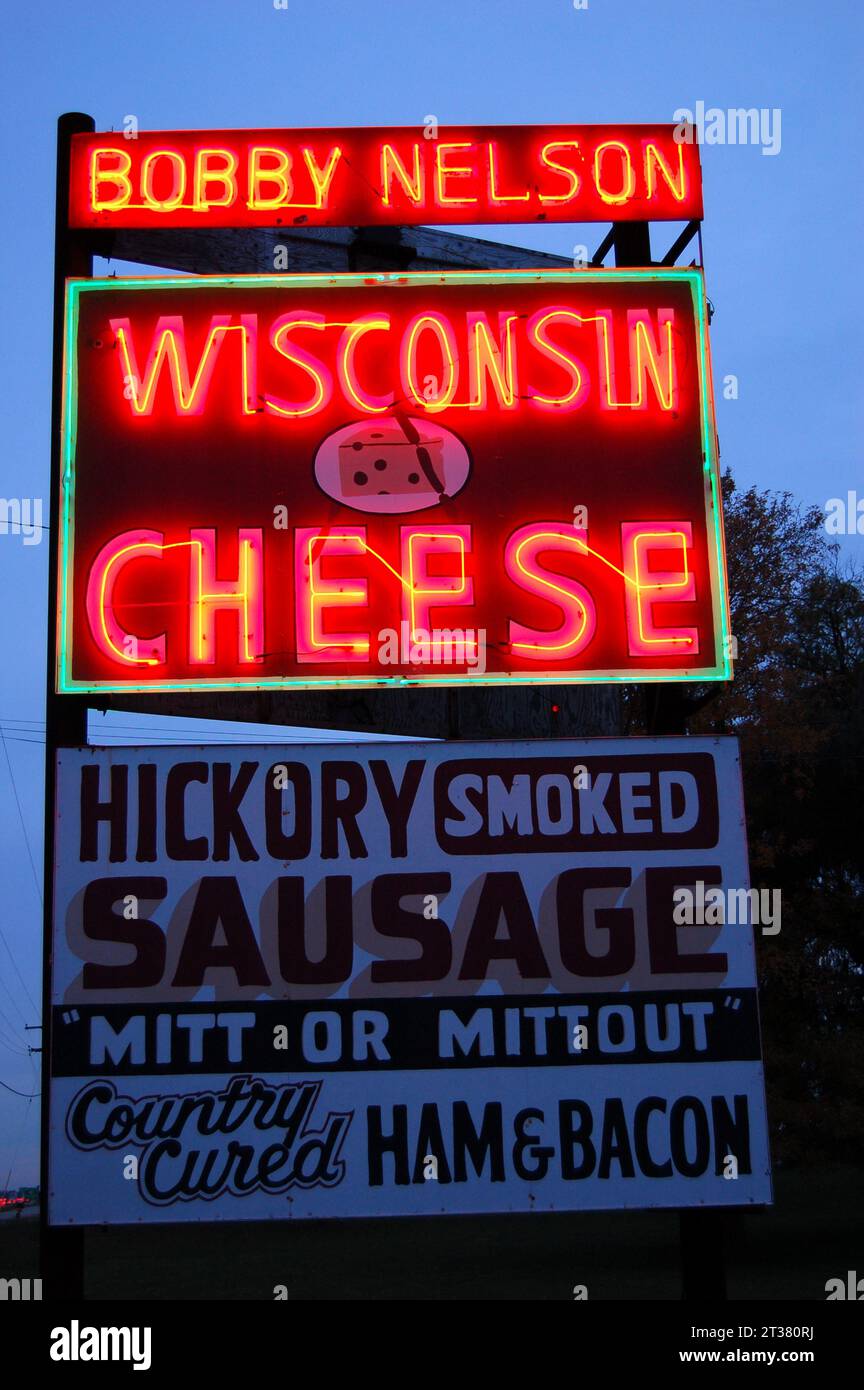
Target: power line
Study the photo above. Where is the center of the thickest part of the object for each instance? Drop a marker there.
(23, 823)
(14, 1002)
(12, 1031)
(32, 866)
(17, 1147)
(25, 1095)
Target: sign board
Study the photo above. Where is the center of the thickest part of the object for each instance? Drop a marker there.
(401, 979)
(380, 480)
(384, 176)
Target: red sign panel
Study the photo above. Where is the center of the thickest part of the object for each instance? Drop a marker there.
(276, 481)
(384, 175)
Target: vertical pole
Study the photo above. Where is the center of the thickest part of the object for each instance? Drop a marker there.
(61, 1249)
(701, 1229)
(701, 1233)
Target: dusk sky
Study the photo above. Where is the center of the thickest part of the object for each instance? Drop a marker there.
(780, 236)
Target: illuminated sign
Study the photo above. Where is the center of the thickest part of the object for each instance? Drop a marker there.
(401, 980)
(310, 481)
(384, 176)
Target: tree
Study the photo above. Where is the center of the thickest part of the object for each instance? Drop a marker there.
(797, 706)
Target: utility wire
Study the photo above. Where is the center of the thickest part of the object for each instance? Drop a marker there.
(14, 1002)
(23, 823)
(18, 1145)
(25, 1095)
(33, 867)
(11, 1037)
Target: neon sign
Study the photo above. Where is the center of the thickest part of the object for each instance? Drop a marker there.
(377, 176)
(326, 481)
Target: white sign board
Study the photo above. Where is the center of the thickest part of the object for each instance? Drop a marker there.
(378, 980)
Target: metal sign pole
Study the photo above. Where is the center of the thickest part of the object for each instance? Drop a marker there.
(61, 1250)
(514, 713)
(701, 1230)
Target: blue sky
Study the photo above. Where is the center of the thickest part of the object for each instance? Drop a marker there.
(780, 238)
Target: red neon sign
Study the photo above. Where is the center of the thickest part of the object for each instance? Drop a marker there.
(383, 176)
(325, 481)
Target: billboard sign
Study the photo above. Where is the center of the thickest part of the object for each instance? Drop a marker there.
(401, 979)
(288, 481)
(384, 176)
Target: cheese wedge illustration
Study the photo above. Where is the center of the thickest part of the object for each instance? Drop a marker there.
(395, 463)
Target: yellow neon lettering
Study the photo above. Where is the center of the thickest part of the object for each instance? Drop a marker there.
(443, 329)
(456, 171)
(169, 345)
(461, 587)
(307, 363)
(569, 174)
(485, 360)
(118, 176)
(374, 405)
(220, 595)
(392, 164)
(494, 196)
(654, 160)
(322, 178)
(644, 588)
(223, 174)
(628, 178)
(577, 636)
(572, 365)
(278, 174)
(179, 180)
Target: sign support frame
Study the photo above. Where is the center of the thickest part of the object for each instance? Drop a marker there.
(62, 1250)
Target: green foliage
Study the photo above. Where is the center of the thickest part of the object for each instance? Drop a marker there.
(797, 706)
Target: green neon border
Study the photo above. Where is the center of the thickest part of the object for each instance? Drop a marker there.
(722, 668)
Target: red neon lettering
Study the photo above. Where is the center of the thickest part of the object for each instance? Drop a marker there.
(579, 382)
(494, 195)
(443, 330)
(279, 174)
(110, 637)
(649, 587)
(652, 360)
(412, 184)
(314, 594)
(579, 619)
(572, 177)
(323, 389)
(628, 176)
(223, 174)
(118, 176)
(424, 590)
(322, 178)
(169, 345)
(654, 160)
(345, 370)
(209, 595)
(453, 171)
(485, 360)
(178, 189)
(647, 359)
